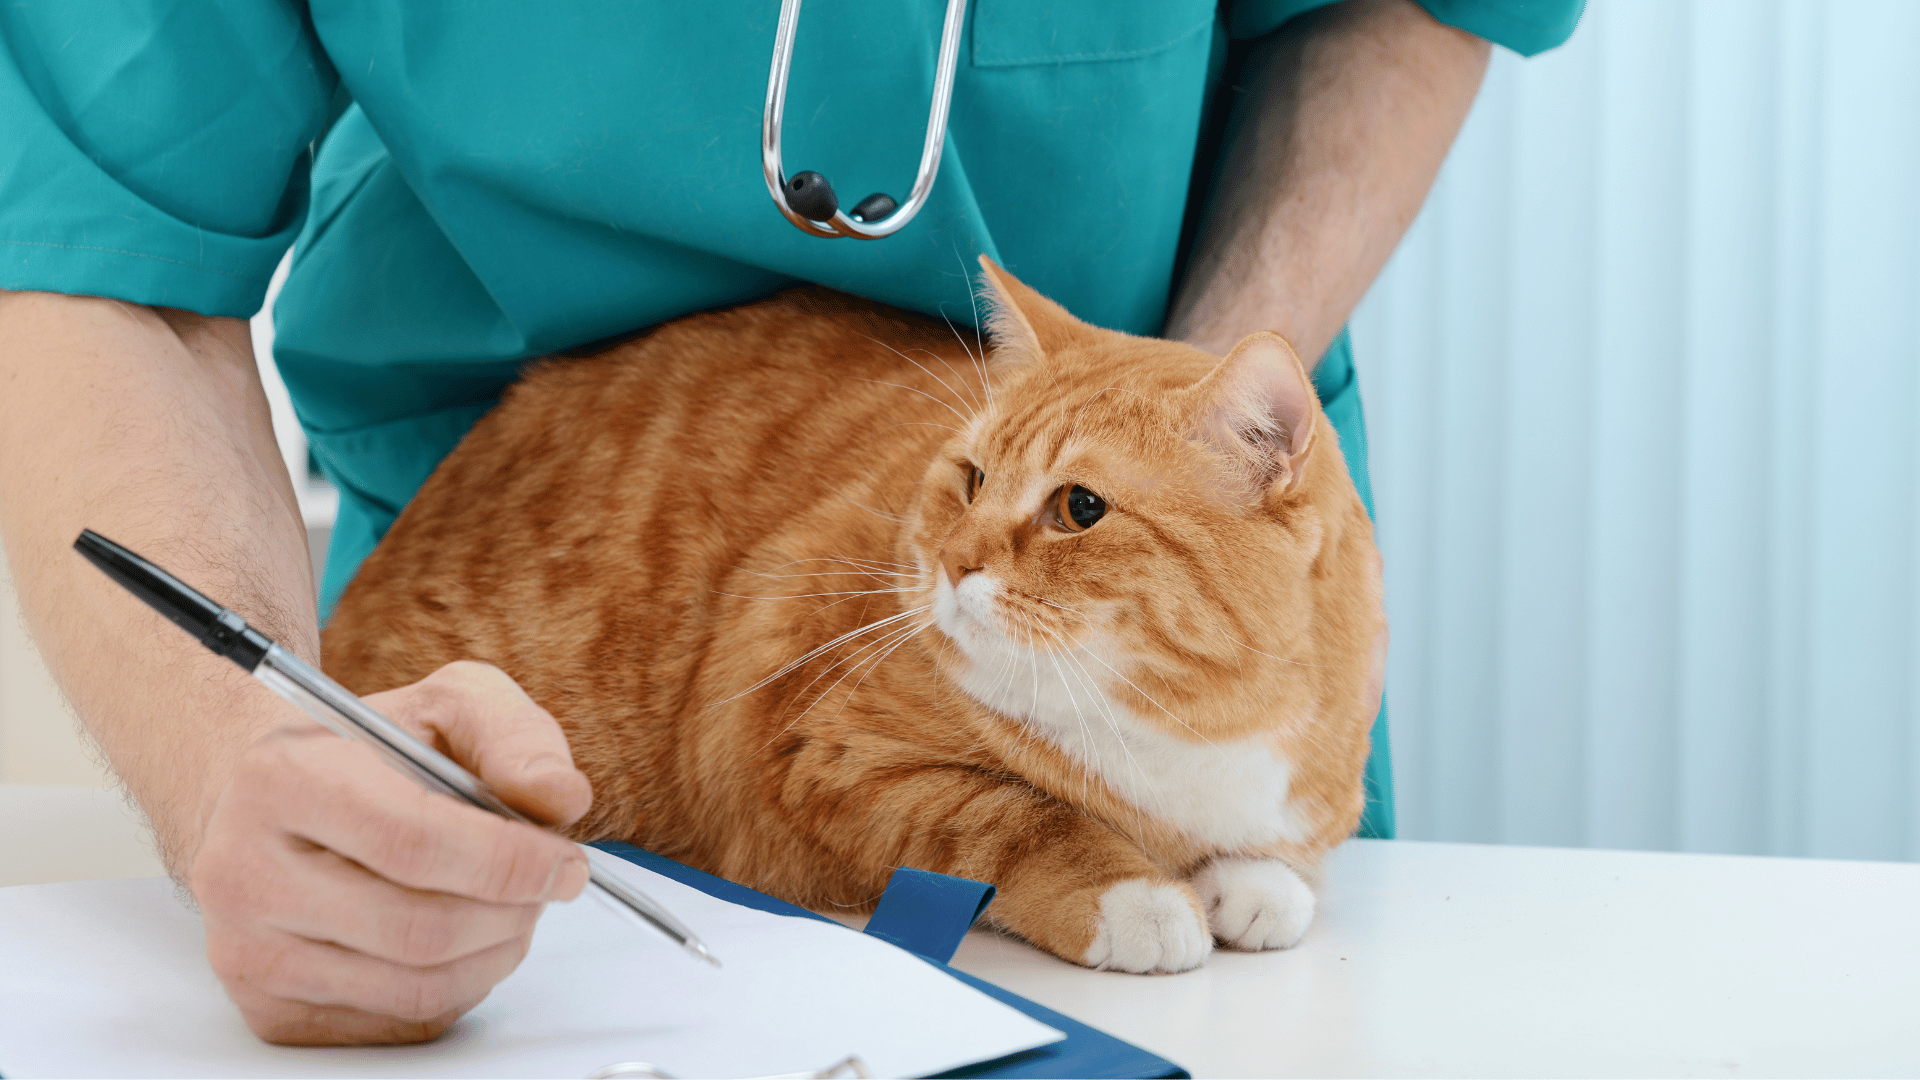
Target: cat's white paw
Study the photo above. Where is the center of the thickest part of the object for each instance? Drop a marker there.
(1255, 903)
(1149, 926)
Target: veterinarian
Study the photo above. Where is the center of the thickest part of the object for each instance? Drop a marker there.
(495, 182)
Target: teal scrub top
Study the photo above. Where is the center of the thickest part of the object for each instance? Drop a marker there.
(471, 184)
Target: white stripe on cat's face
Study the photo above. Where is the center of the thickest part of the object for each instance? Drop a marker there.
(1231, 796)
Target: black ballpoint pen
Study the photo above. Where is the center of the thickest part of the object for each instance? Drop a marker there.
(227, 634)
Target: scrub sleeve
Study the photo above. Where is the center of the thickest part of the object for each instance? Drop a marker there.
(490, 190)
(156, 152)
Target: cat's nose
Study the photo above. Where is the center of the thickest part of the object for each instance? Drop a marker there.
(958, 562)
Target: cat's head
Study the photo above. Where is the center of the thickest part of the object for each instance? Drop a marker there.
(1134, 524)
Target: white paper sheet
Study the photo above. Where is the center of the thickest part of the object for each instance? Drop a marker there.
(109, 978)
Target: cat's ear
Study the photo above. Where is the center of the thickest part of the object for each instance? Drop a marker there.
(1258, 408)
(1024, 324)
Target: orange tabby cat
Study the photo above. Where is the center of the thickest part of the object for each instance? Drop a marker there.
(815, 593)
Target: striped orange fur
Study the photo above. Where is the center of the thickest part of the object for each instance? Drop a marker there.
(799, 582)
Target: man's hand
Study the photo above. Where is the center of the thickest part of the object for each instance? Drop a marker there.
(344, 903)
(1342, 119)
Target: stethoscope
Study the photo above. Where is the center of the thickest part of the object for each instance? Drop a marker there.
(808, 200)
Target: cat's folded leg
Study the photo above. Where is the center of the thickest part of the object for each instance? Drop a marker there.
(1066, 882)
(1255, 903)
(1083, 892)
(1103, 904)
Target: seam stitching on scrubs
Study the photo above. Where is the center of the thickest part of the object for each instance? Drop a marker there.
(1066, 58)
(137, 255)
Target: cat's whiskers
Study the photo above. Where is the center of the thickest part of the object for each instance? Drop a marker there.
(1116, 671)
(1062, 607)
(1033, 652)
(817, 650)
(973, 399)
(1023, 734)
(851, 561)
(844, 596)
(973, 298)
(1028, 731)
(830, 573)
(853, 659)
(1105, 706)
(935, 376)
(967, 400)
(883, 515)
(863, 565)
(804, 596)
(1149, 697)
(965, 419)
(885, 647)
(1268, 655)
(924, 423)
(1086, 733)
(873, 667)
(979, 361)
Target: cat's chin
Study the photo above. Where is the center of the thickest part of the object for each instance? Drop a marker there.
(988, 658)
(1048, 688)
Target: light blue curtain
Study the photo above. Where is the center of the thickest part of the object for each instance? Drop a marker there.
(1642, 390)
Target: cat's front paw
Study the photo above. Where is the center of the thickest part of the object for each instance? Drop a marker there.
(1255, 903)
(1147, 925)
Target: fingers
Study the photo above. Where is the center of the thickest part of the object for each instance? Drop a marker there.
(345, 905)
(281, 979)
(298, 1023)
(341, 796)
(492, 727)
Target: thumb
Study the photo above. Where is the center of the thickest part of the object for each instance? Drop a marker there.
(481, 718)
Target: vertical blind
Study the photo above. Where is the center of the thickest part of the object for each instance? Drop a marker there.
(1642, 394)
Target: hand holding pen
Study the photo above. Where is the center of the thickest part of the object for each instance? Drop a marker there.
(406, 909)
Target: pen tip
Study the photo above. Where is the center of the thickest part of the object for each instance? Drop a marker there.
(700, 951)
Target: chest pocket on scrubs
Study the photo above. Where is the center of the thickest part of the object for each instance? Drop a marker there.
(1016, 33)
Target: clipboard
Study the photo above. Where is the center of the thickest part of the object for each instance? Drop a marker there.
(928, 914)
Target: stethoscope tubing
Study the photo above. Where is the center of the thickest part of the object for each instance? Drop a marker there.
(840, 224)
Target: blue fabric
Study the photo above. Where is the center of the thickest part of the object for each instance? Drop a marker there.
(928, 913)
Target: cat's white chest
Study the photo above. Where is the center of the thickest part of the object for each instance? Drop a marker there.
(1231, 796)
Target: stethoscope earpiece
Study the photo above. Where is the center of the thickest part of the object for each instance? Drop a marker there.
(810, 194)
(807, 199)
(874, 207)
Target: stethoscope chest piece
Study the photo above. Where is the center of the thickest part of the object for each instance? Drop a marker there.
(807, 198)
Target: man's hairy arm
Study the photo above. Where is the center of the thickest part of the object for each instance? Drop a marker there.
(150, 427)
(342, 902)
(1343, 118)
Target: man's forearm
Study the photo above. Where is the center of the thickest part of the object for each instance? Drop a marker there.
(150, 427)
(1343, 119)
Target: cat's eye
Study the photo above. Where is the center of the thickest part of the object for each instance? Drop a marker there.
(976, 479)
(1079, 508)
